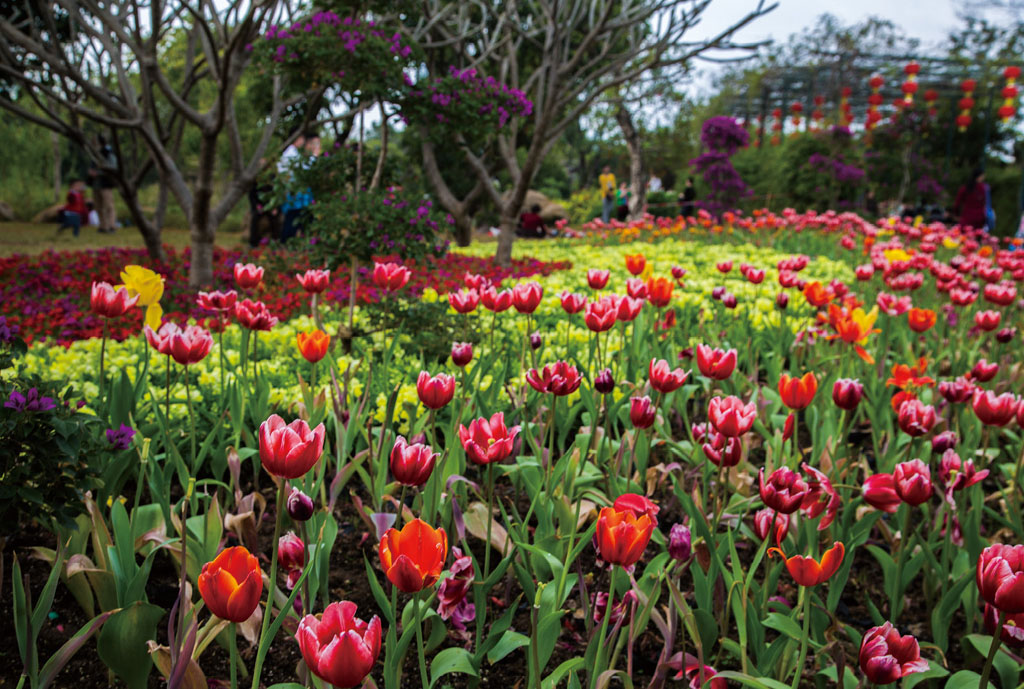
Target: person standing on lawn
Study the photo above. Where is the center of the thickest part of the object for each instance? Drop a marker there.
(305, 146)
(103, 188)
(607, 184)
(972, 202)
(75, 211)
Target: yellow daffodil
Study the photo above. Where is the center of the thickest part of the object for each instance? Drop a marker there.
(892, 255)
(950, 242)
(149, 285)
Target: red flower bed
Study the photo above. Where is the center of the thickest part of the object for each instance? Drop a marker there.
(47, 296)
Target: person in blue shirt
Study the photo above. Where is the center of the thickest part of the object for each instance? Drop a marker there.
(305, 147)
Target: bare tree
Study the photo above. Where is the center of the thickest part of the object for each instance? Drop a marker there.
(564, 56)
(108, 74)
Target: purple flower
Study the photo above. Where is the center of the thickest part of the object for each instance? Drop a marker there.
(121, 438)
(30, 401)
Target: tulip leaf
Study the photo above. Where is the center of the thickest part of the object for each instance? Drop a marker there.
(553, 680)
(1007, 668)
(849, 679)
(934, 670)
(748, 681)
(451, 660)
(378, 594)
(964, 679)
(122, 642)
(786, 626)
(509, 641)
(286, 685)
(943, 612)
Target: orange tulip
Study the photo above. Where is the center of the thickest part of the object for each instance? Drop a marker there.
(920, 320)
(807, 571)
(622, 536)
(659, 291)
(413, 557)
(817, 294)
(797, 393)
(635, 263)
(313, 346)
(231, 584)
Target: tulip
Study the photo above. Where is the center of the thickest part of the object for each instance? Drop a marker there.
(1012, 633)
(462, 353)
(807, 571)
(847, 393)
(148, 286)
(920, 320)
(1000, 294)
(885, 656)
(956, 474)
(535, 340)
(559, 378)
(755, 276)
(600, 315)
(597, 279)
(913, 482)
(628, 308)
(730, 416)
(637, 504)
(641, 412)
(464, 301)
(715, 363)
(339, 648)
(678, 272)
(254, 315)
(821, 497)
(916, 418)
(390, 277)
(600, 607)
(189, 346)
(680, 542)
(729, 300)
(959, 390)
(488, 440)
(987, 320)
(781, 301)
(313, 346)
(412, 465)
(573, 303)
(880, 493)
(864, 272)
(314, 281)
(622, 536)
(413, 558)
(291, 552)
(943, 442)
(784, 491)
(701, 677)
(992, 409)
(984, 371)
(496, 301)
(453, 589)
(1000, 577)
(635, 263)
(160, 340)
(659, 291)
(663, 378)
(248, 275)
(724, 266)
(604, 382)
(437, 391)
(723, 450)
(231, 584)
(476, 282)
(526, 296)
(797, 393)
(817, 295)
(108, 302)
(636, 288)
(767, 519)
(289, 451)
(299, 506)
(1005, 335)
(221, 302)
(789, 427)
(717, 293)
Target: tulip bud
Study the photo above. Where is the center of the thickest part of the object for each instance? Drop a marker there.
(291, 552)
(462, 353)
(946, 440)
(781, 301)
(603, 382)
(729, 300)
(847, 393)
(1005, 335)
(680, 542)
(535, 341)
(300, 506)
(717, 292)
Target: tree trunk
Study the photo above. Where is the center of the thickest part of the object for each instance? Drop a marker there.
(151, 232)
(503, 254)
(463, 228)
(58, 184)
(201, 227)
(161, 207)
(638, 174)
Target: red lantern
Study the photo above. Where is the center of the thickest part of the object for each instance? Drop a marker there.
(845, 92)
(819, 100)
(1009, 92)
(875, 99)
(1009, 106)
(876, 82)
(1011, 73)
(963, 121)
(1006, 112)
(931, 95)
(965, 103)
(909, 88)
(968, 86)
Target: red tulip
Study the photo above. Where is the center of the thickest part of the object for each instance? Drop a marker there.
(496, 301)
(864, 272)
(231, 584)
(821, 497)
(221, 302)
(692, 672)
(880, 493)
(189, 346)
(715, 363)
(604, 382)
(413, 558)
(789, 427)
(526, 296)
(437, 391)
(781, 301)
(291, 552)
(959, 390)
(984, 371)
(987, 320)
(1000, 577)
(807, 571)
(462, 353)
(784, 491)
(916, 418)
(621, 536)
(1012, 632)
(559, 378)
(600, 315)
(597, 279)
(913, 482)
(730, 416)
(921, 320)
(992, 409)
(636, 288)
(659, 291)
(453, 589)
(628, 308)
(313, 346)
(663, 378)
(1000, 294)
(641, 412)
(464, 301)
(476, 282)
(956, 474)
(160, 340)
(885, 656)
(573, 303)
(722, 450)
(847, 393)
(411, 465)
(339, 648)
(248, 275)
(724, 266)
(314, 281)
(638, 504)
(108, 302)
(390, 277)
(755, 276)
(635, 263)
(797, 393)
(254, 315)
(488, 440)
(766, 520)
(289, 451)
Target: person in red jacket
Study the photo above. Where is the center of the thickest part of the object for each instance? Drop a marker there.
(75, 210)
(971, 201)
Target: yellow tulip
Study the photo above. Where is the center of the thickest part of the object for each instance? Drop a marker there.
(149, 285)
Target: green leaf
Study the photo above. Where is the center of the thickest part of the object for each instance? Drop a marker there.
(748, 681)
(943, 612)
(64, 654)
(849, 679)
(934, 670)
(451, 660)
(378, 594)
(965, 679)
(552, 680)
(1008, 670)
(784, 625)
(122, 642)
(707, 627)
(509, 641)
(286, 685)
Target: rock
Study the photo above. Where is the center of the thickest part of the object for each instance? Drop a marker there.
(48, 214)
(552, 211)
(6, 212)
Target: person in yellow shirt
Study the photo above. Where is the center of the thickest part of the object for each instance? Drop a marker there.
(607, 182)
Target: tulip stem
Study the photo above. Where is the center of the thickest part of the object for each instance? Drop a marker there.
(420, 649)
(601, 645)
(192, 423)
(233, 643)
(490, 520)
(895, 604)
(997, 640)
(401, 507)
(220, 349)
(103, 352)
(805, 605)
(264, 642)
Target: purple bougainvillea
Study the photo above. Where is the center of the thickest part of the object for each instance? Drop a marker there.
(723, 136)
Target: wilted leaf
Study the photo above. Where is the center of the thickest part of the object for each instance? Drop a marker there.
(161, 655)
(475, 517)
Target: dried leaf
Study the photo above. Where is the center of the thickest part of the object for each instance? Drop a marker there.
(194, 677)
(476, 523)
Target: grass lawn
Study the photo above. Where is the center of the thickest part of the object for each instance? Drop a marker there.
(34, 238)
